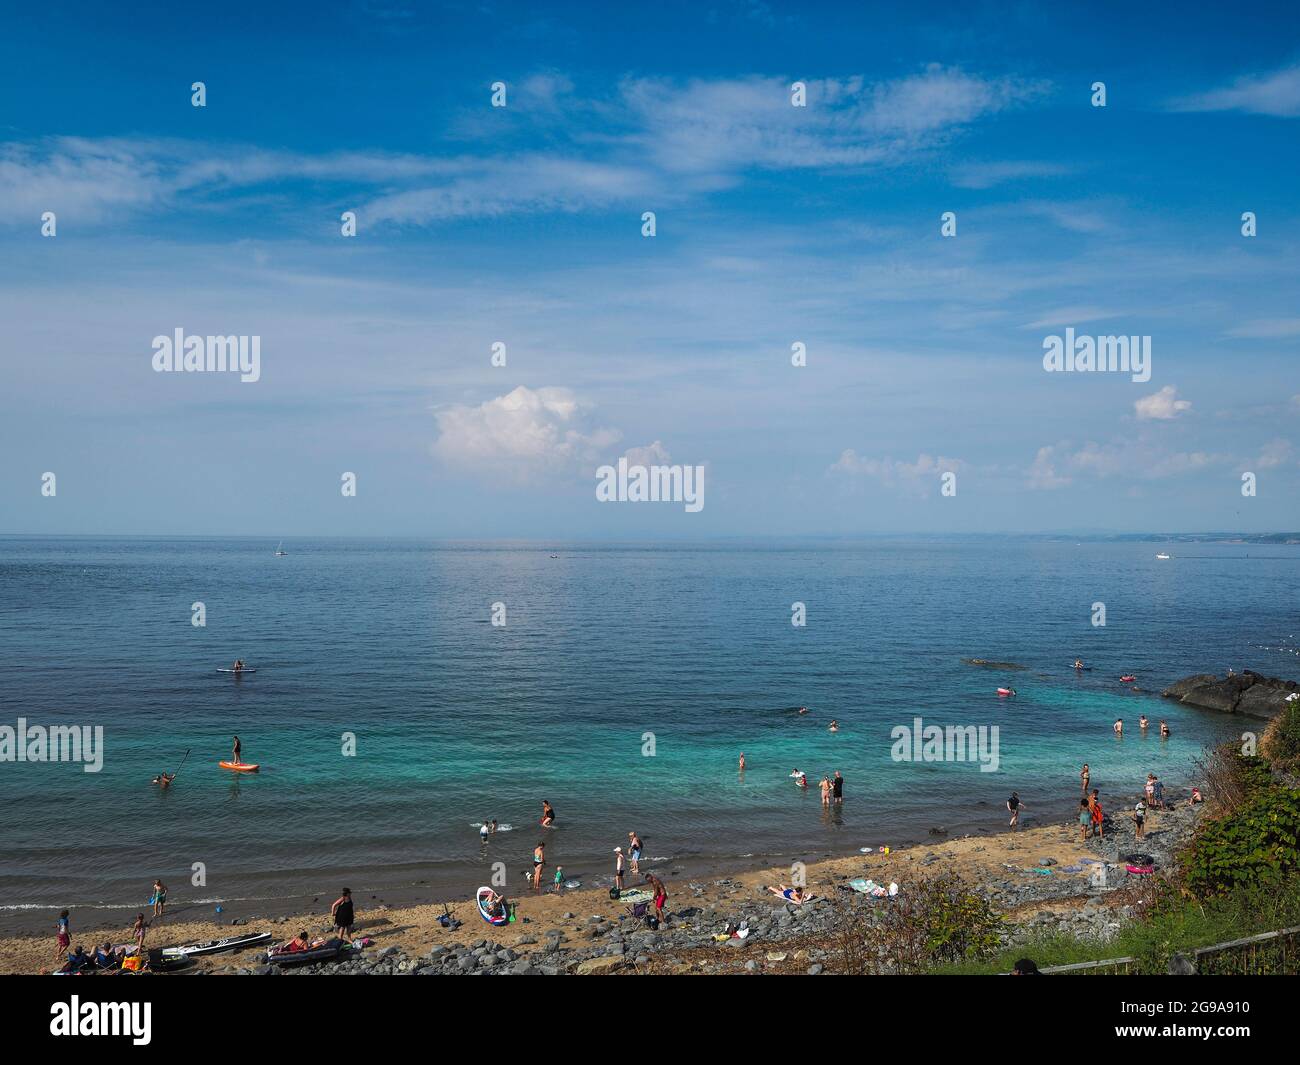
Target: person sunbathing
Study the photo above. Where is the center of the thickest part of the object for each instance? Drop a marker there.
(792, 894)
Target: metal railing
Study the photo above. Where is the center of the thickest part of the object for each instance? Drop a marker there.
(1267, 954)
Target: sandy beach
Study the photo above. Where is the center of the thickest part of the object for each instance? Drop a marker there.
(983, 860)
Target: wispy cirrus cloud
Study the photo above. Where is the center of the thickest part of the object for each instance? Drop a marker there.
(1266, 329)
(723, 126)
(650, 140)
(987, 175)
(1276, 93)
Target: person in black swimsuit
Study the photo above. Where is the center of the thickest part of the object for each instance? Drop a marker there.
(837, 787)
(548, 814)
(343, 914)
(238, 748)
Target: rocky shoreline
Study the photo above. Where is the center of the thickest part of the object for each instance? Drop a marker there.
(1050, 889)
(1248, 692)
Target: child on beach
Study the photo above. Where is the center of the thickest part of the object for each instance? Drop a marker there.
(1139, 820)
(64, 938)
(137, 932)
(1158, 793)
(1097, 814)
(1085, 819)
(618, 868)
(1014, 806)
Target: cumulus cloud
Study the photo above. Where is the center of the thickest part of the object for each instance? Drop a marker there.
(1042, 473)
(521, 433)
(654, 454)
(1276, 94)
(1162, 405)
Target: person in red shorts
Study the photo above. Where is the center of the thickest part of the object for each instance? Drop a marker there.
(660, 894)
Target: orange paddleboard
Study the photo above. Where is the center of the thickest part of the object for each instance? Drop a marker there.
(240, 767)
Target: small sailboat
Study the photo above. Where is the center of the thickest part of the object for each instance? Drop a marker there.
(279, 549)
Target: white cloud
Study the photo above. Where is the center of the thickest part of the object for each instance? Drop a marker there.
(720, 127)
(1273, 454)
(520, 434)
(1069, 316)
(1042, 474)
(918, 477)
(1162, 405)
(1138, 459)
(654, 454)
(1276, 94)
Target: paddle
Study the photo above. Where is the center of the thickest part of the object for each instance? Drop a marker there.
(179, 767)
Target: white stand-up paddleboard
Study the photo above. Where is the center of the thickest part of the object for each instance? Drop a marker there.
(236, 671)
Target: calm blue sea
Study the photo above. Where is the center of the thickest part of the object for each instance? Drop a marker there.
(457, 720)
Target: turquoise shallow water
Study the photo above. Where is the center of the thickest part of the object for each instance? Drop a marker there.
(457, 720)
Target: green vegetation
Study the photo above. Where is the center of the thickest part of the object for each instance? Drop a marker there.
(1281, 743)
(940, 920)
(1239, 876)
(1172, 923)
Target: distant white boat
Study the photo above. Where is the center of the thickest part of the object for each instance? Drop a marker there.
(1162, 555)
(279, 549)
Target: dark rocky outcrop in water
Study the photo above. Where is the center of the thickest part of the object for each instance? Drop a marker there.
(987, 664)
(1240, 693)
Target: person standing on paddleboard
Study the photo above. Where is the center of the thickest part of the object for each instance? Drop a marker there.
(238, 747)
(344, 914)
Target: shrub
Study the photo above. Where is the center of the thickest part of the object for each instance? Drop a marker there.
(1281, 741)
(938, 919)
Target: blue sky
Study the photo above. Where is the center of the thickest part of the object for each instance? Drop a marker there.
(775, 225)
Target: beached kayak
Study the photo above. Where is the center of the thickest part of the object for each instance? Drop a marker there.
(324, 952)
(241, 767)
(217, 946)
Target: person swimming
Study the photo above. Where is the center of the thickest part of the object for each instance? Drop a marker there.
(163, 780)
(1078, 663)
(833, 727)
